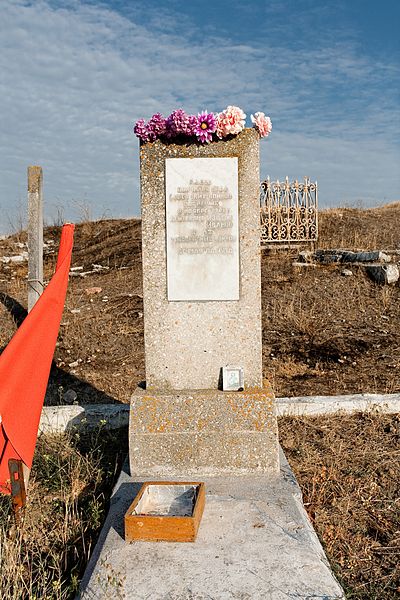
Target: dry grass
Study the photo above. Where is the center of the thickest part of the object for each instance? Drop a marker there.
(103, 332)
(355, 229)
(340, 332)
(348, 468)
(71, 481)
(328, 334)
(322, 334)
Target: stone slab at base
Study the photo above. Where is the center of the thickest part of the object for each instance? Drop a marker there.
(203, 432)
(255, 542)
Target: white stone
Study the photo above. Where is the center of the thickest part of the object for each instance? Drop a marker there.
(76, 363)
(324, 405)
(392, 273)
(15, 259)
(202, 229)
(388, 273)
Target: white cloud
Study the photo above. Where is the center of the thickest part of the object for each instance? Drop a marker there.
(76, 76)
(346, 175)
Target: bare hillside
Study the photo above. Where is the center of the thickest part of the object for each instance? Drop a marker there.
(322, 333)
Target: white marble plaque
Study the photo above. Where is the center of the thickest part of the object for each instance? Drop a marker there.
(202, 228)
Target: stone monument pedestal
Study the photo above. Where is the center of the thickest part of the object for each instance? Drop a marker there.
(175, 433)
(202, 312)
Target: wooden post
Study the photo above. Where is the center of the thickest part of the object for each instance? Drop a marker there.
(35, 235)
(19, 472)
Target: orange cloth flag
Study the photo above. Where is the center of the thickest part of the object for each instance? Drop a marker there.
(25, 367)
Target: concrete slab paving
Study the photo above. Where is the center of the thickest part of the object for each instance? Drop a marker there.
(255, 542)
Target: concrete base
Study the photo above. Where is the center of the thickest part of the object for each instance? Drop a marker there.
(313, 406)
(195, 433)
(56, 419)
(255, 542)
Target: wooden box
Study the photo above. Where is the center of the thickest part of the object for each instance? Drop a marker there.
(167, 511)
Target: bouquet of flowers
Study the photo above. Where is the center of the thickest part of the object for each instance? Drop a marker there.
(205, 127)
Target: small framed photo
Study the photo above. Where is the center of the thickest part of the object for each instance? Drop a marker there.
(232, 379)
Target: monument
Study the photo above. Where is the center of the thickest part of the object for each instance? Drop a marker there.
(202, 312)
(202, 318)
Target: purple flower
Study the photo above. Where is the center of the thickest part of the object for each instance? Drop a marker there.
(141, 131)
(177, 123)
(156, 127)
(206, 126)
(192, 124)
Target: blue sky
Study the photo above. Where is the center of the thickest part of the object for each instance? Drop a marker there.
(75, 75)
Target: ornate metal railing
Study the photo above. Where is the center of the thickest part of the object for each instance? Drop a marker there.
(289, 211)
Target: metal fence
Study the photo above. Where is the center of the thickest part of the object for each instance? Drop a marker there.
(289, 211)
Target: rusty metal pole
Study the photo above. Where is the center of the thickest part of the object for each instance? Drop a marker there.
(18, 488)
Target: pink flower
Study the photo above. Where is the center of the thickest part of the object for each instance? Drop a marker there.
(262, 124)
(230, 121)
(206, 125)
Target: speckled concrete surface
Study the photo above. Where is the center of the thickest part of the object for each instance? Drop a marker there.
(186, 343)
(255, 542)
(203, 432)
(199, 410)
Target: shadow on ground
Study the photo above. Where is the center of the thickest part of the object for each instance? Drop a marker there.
(62, 387)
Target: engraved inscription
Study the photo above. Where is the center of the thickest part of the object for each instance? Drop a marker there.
(202, 229)
(204, 204)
